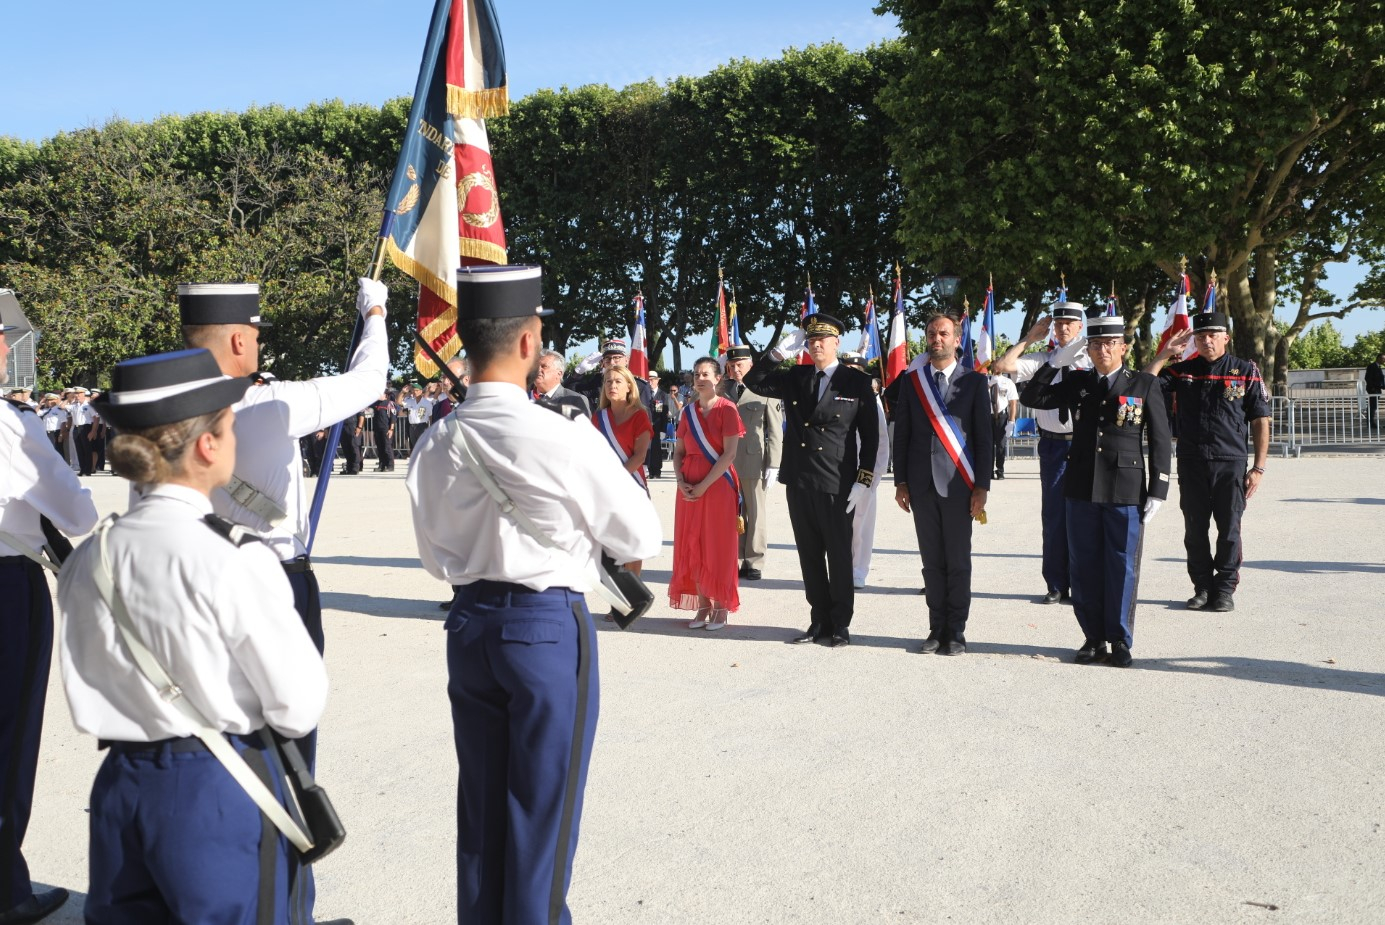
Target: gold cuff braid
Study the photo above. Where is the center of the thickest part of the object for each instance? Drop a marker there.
(865, 477)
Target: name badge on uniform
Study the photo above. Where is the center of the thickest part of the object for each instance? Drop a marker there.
(1130, 411)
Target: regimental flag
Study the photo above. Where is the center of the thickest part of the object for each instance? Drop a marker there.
(1209, 301)
(443, 207)
(1062, 297)
(985, 340)
(1178, 318)
(639, 344)
(809, 308)
(968, 358)
(870, 333)
(735, 321)
(896, 357)
(1111, 308)
(721, 334)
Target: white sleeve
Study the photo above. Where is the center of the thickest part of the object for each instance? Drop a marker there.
(1029, 364)
(269, 643)
(619, 515)
(319, 403)
(42, 479)
(882, 447)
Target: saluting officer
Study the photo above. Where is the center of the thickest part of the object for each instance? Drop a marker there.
(1111, 493)
(174, 836)
(36, 486)
(757, 457)
(832, 435)
(1055, 431)
(521, 646)
(1217, 398)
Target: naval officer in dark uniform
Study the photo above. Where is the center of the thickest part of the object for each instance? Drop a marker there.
(1219, 400)
(831, 437)
(1111, 493)
(521, 647)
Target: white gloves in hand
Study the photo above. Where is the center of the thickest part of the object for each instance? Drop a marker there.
(591, 362)
(1066, 354)
(1151, 508)
(857, 496)
(791, 345)
(1009, 428)
(371, 293)
(771, 475)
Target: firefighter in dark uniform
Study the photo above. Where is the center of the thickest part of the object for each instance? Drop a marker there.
(382, 423)
(1111, 493)
(832, 434)
(1218, 402)
(353, 431)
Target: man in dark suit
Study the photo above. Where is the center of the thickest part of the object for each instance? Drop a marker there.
(1375, 384)
(1110, 492)
(942, 451)
(829, 444)
(548, 388)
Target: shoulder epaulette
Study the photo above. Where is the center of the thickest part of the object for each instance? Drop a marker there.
(19, 405)
(232, 533)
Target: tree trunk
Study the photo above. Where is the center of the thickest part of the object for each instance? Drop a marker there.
(1252, 318)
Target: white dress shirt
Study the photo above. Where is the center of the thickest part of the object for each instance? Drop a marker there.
(217, 616)
(561, 472)
(271, 418)
(1004, 393)
(418, 409)
(53, 419)
(35, 481)
(1029, 364)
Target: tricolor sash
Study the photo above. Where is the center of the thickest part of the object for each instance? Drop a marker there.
(607, 424)
(945, 427)
(699, 435)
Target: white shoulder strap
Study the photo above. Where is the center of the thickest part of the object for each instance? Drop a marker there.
(171, 693)
(14, 542)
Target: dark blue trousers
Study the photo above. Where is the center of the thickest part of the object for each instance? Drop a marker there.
(1104, 541)
(522, 678)
(943, 528)
(1053, 465)
(1212, 490)
(307, 601)
(174, 839)
(26, 648)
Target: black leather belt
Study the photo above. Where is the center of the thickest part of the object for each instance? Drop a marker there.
(1050, 435)
(297, 566)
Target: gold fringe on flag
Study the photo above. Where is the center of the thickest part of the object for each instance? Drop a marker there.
(477, 104)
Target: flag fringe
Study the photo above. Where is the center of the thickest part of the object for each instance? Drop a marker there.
(484, 250)
(477, 104)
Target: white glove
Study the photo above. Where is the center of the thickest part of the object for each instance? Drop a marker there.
(1066, 354)
(592, 361)
(371, 293)
(1009, 428)
(791, 345)
(771, 475)
(857, 496)
(1151, 508)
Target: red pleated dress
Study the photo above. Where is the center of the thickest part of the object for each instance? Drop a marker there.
(706, 545)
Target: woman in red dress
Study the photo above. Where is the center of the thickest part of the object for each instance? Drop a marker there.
(706, 549)
(626, 425)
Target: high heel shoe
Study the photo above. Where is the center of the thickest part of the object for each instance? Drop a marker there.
(699, 620)
(718, 618)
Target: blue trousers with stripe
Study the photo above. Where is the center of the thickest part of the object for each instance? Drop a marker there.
(1104, 541)
(26, 648)
(1053, 466)
(522, 679)
(174, 839)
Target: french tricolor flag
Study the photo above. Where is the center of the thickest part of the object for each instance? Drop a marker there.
(639, 348)
(896, 358)
(1178, 318)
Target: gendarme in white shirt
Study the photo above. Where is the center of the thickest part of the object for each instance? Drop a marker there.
(1029, 364)
(35, 481)
(560, 472)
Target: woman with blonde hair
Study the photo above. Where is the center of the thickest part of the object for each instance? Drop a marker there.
(625, 424)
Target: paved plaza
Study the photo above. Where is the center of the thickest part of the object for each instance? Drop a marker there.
(1234, 774)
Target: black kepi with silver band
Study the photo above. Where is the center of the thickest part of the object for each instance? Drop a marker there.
(1211, 322)
(167, 387)
(500, 292)
(1106, 326)
(220, 303)
(1069, 311)
(738, 352)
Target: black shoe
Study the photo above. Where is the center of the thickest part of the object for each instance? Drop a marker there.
(1091, 651)
(1000, 475)
(930, 645)
(1220, 603)
(838, 639)
(36, 907)
(1065, 599)
(1120, 655)
(953, 647)
(1052, 597)
(445, 605)
(811, 635)
(923, 590)
(337, 922)
(1198, 601)
(742, 570)
(751, 574)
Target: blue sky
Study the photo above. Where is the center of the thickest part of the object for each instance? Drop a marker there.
(95, 61)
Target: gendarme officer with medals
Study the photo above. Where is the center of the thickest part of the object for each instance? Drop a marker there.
(38, 492)
(1219, 401)
(1111, 492)
(521, 646)
(830, 441)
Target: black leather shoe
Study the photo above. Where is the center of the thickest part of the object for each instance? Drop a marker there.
(1220, 603)
(952, 647)
(838, 639)
(1091, 651)
(810, 636)
(930, 645)
(337, 922)
(1120, 655)
(1052, 597)
(36, 907)
(751, 574)
(1198, 601)
(1000, 475)
(445, 605)
(741, 571)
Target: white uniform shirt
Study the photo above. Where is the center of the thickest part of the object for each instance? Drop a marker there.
(35, 481)
(418, 409)
(561, 472)
(80, 412)
(218, 617)
(1029, 364)
(1003, 393)
(271, 418)
(53, 419)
